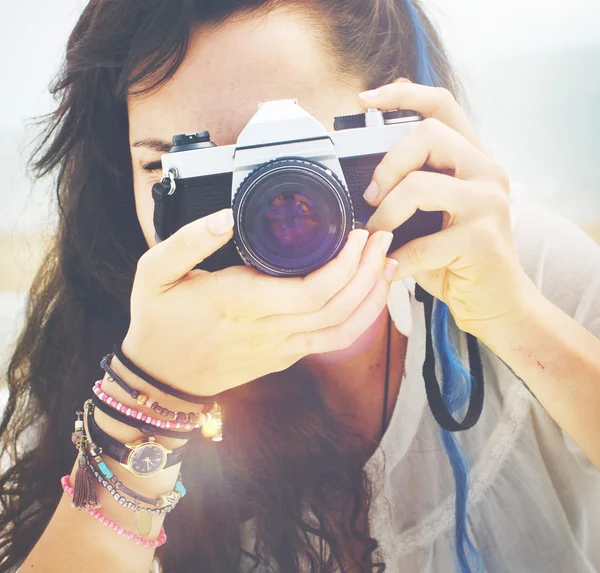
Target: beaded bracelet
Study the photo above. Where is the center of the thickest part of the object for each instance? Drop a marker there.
(143, 400)
(151, 543)
(143, 515)
(111, 483)
(148, 429)
(161, 506)
(198, 418)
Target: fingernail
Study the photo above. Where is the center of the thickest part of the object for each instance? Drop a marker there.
(404, 81)
(391, 266)
(371, 94)
(371, 192)
(221, 222)
(363, 237)
(386, 241)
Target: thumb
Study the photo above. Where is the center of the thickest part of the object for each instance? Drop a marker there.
(169, 261)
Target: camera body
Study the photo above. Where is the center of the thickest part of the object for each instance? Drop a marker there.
(296, 190)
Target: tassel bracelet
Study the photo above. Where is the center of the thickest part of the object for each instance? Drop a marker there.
(85, 496)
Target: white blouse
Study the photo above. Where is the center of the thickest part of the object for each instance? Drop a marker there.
(534, 498)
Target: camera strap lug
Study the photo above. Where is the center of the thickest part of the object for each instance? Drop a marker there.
(171, 175)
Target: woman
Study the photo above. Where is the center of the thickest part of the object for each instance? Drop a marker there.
(304, 370)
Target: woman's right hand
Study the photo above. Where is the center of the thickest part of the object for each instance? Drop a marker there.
(204, 333)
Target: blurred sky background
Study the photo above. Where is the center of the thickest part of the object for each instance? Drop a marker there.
(530, 67)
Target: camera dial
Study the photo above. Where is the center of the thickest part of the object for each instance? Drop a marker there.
(187, 141)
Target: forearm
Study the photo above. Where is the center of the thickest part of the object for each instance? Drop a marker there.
(73, 539)
(560, 362)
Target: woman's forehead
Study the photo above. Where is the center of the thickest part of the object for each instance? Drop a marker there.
(229, 69)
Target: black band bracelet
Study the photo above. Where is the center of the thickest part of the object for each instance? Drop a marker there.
(143, 400)
(147, 429)
(105, 365)
(157, 383)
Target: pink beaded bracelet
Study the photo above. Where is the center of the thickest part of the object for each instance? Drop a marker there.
(132, 413)
(151, 543)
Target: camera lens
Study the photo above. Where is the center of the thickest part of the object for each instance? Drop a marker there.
(292, 217)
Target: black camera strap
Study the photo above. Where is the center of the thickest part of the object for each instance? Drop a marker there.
(438, 406)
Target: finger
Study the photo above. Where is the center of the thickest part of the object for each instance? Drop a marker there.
(428, 191)
(342, 335)
(437, 251)
(345, 302)
(267, 295)
(170, 260)
(435, 102)
(434, 144)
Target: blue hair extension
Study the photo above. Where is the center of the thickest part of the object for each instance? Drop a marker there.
(425, 73)
(456, 390)
(456, 380)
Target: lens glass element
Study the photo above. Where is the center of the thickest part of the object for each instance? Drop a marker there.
(291, 220)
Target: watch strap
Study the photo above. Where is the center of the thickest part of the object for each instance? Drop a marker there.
(119, 451)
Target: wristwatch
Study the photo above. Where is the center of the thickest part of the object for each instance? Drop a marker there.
(144, 457)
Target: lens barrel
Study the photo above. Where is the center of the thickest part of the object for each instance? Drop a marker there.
(292, 216)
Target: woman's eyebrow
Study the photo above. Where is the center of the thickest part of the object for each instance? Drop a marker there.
(154, 144)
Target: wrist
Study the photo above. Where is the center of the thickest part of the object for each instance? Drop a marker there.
(151, 369)
(207, 418)
(527, 307)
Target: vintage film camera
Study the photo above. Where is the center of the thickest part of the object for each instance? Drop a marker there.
(296, 190)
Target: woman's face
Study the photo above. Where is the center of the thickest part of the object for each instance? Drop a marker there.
(227, 71)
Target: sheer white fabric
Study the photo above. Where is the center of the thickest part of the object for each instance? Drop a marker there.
(534, 501)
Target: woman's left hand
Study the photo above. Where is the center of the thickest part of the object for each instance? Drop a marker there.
(471, 264)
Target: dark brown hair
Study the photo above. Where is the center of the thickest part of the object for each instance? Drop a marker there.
(284, 453)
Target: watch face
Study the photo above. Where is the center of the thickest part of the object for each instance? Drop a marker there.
(147, 459)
